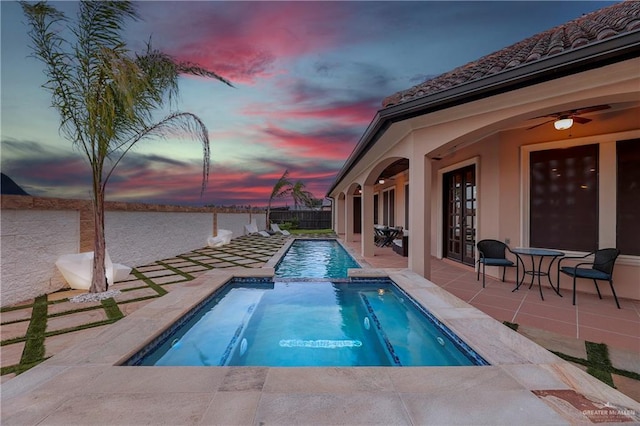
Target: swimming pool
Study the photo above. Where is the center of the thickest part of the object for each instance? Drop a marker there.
(258, 322)
(315, 259)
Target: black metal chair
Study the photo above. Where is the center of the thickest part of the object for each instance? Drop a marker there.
(600, 269)
(378, 236)
(493, 253)
(391, 234)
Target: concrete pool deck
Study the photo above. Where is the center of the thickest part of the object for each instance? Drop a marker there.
(526, 383)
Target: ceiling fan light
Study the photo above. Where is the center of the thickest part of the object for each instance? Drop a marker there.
(563, 123)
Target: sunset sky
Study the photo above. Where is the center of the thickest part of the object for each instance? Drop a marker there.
(308, 76)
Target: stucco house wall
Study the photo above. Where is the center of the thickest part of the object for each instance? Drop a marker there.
(495, 134)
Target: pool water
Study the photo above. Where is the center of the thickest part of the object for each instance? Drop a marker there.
(323, 323)
(315, 259)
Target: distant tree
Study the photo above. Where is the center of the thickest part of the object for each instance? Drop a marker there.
(106, 96)
(282, 188)
(316, 203)
(301, 197)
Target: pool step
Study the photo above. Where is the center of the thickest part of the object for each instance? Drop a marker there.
(218, 333)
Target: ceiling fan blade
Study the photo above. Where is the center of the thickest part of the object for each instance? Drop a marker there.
(553, 115)
(541, 124)
(591, 109)
(581, 120)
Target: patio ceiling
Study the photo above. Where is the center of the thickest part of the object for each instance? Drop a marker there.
(396, 168)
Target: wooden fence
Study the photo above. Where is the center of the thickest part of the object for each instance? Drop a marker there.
(303, 219)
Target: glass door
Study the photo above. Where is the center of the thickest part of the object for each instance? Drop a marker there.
(460, 215)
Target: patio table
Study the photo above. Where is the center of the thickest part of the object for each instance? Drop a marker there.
(541, 253)
(389, 233)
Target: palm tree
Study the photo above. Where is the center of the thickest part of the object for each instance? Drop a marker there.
(281, 189)
(106, 96)
(300, 195)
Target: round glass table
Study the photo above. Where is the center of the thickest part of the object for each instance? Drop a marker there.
(536, 270)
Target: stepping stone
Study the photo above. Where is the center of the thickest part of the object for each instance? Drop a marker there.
(16, 315)
(12, 331)
(75, 319)
(11, 354)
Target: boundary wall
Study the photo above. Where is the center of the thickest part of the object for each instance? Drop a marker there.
(35, 231)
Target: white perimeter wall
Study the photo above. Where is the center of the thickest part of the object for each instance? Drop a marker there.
(138, 238)
(31, 241)
(234, 222)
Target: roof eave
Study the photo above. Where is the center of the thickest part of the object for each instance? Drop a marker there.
(606, 52)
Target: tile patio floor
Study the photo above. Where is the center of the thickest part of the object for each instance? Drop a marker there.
(554, 323)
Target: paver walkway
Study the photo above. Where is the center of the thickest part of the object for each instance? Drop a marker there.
(66, 323)
(24, 344)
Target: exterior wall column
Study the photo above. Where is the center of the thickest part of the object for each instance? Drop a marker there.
(420, 216)
(366, 236)
(339, 215)
(348, 218)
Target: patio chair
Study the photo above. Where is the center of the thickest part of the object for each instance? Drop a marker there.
(390, 234)
(276, 228)
(493, 253)
(251, 228)
(379, 235)
(600, 269)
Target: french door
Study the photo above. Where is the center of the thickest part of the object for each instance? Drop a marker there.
(460, 215)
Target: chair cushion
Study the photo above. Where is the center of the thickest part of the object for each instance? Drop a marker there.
(585, 273)
(496, 262)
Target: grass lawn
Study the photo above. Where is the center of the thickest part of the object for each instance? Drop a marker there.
(328, 232)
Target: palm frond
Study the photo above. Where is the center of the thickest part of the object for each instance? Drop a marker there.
(193, 69)
(301, 195)
(179, 124)
(45, 23)
(282, 187)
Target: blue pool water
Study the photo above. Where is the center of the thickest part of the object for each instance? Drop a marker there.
(315, 259)
(300, 323)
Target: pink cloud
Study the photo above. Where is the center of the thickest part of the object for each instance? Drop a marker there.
(359, 113)
(329, 145)
(242, 41)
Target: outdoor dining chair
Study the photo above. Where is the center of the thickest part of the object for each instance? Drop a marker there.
(378, 236)
(389, 234)
(601, 268)
(493, 253)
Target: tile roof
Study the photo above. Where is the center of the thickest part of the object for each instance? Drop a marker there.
(610, 21)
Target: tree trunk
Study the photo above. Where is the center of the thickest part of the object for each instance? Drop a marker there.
(268, 215)
(99, 279)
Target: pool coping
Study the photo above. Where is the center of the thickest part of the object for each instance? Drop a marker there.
(527, 382)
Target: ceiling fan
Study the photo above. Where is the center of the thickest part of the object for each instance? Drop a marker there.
(565, 119)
